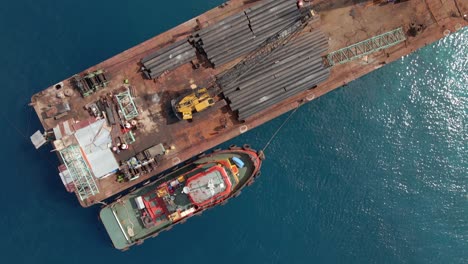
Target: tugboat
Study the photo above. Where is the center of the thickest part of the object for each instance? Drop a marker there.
(197, 186)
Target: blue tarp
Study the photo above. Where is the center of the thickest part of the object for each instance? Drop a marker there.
(238, 162)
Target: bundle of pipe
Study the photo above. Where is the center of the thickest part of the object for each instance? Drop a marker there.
(168, 58)
(222, 36)
(242, 33)
(272, 15)
(295, 68)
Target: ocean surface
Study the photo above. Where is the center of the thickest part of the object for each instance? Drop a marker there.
(375, 172)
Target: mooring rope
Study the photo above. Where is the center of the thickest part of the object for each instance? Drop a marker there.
(279, 128)
(18, 131)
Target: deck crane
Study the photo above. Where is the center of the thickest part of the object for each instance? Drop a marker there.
(199, 100)
(274, 43)
(269, 46)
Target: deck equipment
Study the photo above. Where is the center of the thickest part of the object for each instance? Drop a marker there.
(366, 47)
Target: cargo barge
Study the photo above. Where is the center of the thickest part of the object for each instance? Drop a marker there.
(231, 69)
(198, 186)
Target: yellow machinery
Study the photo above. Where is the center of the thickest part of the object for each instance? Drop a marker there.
(195, 101)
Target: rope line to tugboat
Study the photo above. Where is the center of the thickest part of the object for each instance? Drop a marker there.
(279, 128)
(21, 133)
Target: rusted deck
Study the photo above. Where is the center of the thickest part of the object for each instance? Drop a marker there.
(344, 23)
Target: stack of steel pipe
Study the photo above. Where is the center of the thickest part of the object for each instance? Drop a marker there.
(272, 15)
(242, 33)
(168, 58)
(294, 68)
(223, 36)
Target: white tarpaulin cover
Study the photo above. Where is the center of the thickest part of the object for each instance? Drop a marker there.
(95, 140)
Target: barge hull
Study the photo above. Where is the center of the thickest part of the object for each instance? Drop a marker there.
(342, 21)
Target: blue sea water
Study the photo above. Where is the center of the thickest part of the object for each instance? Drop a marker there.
(375, 172)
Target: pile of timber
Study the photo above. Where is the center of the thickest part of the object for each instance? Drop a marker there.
(242, 33)
(294, 68)
(168, 58)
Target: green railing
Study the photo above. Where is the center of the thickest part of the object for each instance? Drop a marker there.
(366, 47)
(79, 171)
(126, 104)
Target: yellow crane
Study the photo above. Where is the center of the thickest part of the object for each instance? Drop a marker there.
(196, 101)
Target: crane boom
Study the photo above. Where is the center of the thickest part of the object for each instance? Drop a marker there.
(269, 46)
